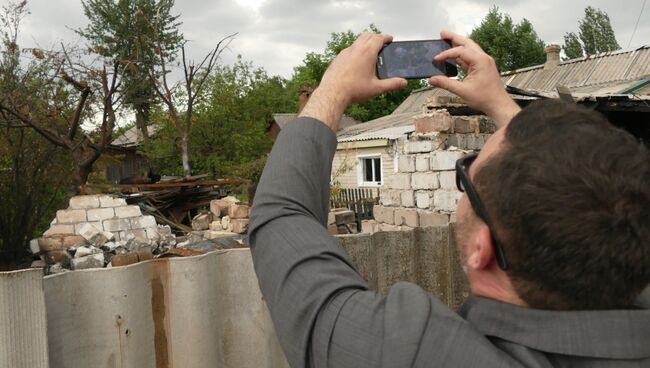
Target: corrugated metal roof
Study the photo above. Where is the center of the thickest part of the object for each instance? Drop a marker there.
(386, 127)
(387, 133)
(203, 311)
(592, 76)
(604, 73)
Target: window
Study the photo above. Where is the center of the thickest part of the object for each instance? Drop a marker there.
(369, 171)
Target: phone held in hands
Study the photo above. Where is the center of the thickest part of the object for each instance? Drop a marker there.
(414, 60)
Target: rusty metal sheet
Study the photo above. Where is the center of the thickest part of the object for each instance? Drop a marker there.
(202, 311)
(23, 324)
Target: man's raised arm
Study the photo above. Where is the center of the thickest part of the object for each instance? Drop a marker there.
(323, 313)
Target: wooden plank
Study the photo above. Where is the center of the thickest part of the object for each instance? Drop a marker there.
(167, 185)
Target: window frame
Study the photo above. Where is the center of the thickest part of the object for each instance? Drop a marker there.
(361, 170)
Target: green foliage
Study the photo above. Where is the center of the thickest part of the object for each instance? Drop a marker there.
(596, 35)
(33, 172)
(572, 47)
(596, 32)
(314, 65)
(229, 128)
(137, 33)
(512, 46)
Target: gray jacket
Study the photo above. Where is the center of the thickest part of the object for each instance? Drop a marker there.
(325, 316)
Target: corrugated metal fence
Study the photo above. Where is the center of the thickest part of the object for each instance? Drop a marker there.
(203, 311)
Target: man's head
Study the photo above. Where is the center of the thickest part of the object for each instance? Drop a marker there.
(569, 198)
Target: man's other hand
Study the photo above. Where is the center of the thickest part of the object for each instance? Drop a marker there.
(350, 78)
(481, 88)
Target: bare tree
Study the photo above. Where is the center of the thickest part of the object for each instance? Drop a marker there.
(192, 86)
(83, 148)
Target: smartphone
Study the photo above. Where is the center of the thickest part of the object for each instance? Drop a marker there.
(414, 60)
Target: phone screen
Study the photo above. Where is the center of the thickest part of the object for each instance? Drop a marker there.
(413, 60)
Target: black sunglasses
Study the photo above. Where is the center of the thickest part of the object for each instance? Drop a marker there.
(465, 185)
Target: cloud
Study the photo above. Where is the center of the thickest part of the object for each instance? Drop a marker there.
(276, 34)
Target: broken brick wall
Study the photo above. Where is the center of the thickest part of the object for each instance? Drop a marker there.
(423, 191)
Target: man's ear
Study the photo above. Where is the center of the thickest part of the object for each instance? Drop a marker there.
(481, 250)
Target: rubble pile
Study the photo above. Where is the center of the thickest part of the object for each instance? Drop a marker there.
(227, 216)
(342, 221)
(98, 231)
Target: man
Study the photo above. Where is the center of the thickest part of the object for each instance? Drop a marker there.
(554, 233)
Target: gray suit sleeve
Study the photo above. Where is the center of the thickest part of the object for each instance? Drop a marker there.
(323, 312)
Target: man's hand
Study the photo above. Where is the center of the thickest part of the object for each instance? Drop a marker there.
(482, 88)
(350, 78)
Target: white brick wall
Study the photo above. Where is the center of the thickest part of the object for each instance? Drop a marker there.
(115, 225)
(423, 199)
(100, 214)
(422, 162)
(445, 160)
(83, 202)
(70, 216)
(419, 146)
(127, 211)
(390, 197)
(143, 222)
(446, 200)
(406, 163)
(108, 201)
(407, 198)
(399, 181)
(425, 180)
(448, 180)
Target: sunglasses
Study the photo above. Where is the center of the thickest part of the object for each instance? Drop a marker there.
(465, 185)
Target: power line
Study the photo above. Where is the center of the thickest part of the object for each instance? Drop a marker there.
(637, 24)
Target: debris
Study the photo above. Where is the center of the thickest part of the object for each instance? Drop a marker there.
(90, 261)
(238, 211)
(85, 251)
(225, 222)
(56, 268)
(201, 222)
(94, 235)
(33, 246)
(239, 226)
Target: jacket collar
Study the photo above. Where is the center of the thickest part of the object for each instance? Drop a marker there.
(607, 334)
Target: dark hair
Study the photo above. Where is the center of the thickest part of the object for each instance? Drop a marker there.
(570, 195)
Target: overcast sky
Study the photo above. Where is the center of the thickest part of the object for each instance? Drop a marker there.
(276, 34)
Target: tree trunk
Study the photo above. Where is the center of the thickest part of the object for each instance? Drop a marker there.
(185, 143)
(83, 169)
(141, 121)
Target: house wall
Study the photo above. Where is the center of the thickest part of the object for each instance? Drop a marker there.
(422, 193)
(345, 166)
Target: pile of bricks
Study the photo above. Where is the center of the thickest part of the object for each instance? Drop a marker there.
(227, 217)
(94, 229)
(423, 191)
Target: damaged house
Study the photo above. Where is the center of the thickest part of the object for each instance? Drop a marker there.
(409, 155)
